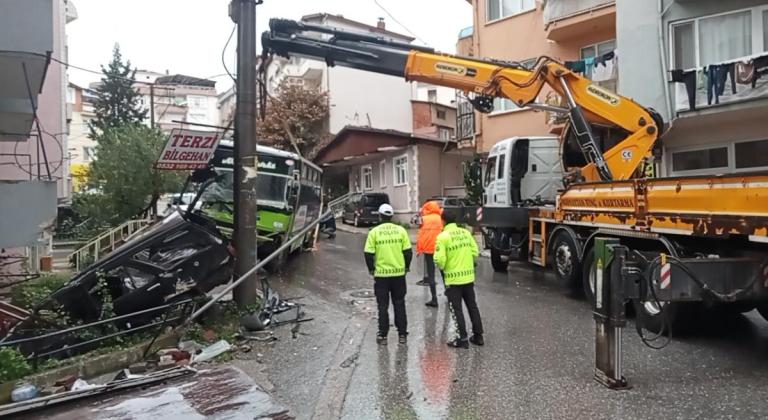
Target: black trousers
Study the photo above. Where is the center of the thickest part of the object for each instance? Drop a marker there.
(429, 272)
(391, 287)
(465, 293)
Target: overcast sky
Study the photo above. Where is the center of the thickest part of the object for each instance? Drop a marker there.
(187, 36)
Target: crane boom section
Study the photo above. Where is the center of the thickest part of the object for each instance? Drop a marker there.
(588, 102)
(522, 86)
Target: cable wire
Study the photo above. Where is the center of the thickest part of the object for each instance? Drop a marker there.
(398, 22)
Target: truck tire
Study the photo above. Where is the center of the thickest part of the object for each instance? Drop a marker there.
(588, 276)
(498, 262)
(566, 263)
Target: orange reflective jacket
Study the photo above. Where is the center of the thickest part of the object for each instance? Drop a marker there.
(431, 226)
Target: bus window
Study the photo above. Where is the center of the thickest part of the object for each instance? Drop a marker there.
(500, 171)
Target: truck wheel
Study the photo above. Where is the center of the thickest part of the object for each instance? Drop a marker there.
(277, 263)
(498, 261)
(566, 260)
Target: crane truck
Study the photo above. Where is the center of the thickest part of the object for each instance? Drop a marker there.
(703, 240)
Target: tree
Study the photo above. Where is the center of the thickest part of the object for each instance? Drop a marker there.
(117, 102)
(296, 113)
(122, 181)
(473, 180)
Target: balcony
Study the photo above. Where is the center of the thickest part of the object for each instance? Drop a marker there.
(26, 42)
(566, 19)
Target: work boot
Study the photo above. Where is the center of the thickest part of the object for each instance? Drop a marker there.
(432, 303)
(381, 339)
(402, 339)
(458, 343)
(477, 339)
(422, 282)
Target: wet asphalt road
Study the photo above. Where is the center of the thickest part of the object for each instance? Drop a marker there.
(538, 360)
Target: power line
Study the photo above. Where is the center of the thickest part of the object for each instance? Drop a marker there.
(398, 22)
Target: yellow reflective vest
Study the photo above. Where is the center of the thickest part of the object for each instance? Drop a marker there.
(455, 254)
(388, 241)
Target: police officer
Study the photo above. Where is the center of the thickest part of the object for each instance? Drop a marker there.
(388, 256)
(455, 254)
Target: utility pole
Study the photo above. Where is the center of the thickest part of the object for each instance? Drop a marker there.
(243, 13)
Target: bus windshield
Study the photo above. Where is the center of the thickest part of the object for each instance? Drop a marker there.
(270, 189)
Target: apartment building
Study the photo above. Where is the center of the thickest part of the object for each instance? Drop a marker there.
(179, 97)
(356, 97)
(81, 150)
(522, 31)
(33, 135)
(662, 41)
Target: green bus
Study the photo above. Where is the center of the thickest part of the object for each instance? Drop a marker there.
(288, 192)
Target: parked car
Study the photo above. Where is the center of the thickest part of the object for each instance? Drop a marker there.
(443, 201)
(363, 208)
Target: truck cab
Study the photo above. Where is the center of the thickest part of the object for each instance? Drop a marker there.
(520, 172)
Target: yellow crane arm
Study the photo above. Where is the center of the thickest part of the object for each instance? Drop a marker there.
(588, 103)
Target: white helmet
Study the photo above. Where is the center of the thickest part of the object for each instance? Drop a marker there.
(386, 210)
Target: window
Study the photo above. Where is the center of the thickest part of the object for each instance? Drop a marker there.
(765, 30)
(500, 171)
(400, 169)
(709, 40)
(383, 173)
(444, 133)
(196, 101)
(497, 9)
(725, 37)
(700, 160)
(597, 50)
(440, 114)
(504, 104)
(751, 154)
(89, 153)
(432, 95)
(490, 170)
(367, 177)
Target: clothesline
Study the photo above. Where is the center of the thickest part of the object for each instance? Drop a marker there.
(743, 59)
(600, 68)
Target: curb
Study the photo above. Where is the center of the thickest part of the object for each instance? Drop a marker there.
(94, 366)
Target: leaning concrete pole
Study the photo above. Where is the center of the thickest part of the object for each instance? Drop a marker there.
(243, 13)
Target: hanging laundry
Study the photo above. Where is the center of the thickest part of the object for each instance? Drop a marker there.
(589, 66)
(717, 74)
(689, 79)
(745, 72)
(761, 68)
(605, 68)
(575, 66)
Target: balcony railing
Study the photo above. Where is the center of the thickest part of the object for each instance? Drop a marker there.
(555, 10)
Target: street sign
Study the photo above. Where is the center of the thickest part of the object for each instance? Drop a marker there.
(188, 149)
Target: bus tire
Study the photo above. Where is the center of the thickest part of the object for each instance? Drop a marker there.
(565, 260)
(498, 262)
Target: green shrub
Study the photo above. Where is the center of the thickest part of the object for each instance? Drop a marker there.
(13, 366)
(30, 293)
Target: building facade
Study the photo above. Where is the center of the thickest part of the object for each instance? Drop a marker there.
(356, 97)
(522, 31)
(81, 150)
(179, 98)
(681, 40)
(34, 170)
(409, 168)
